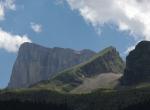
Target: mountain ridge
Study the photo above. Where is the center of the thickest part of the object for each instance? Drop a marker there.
(106, 61)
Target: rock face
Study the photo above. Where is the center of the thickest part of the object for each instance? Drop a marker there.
(35, 63)
(137, 65)
(104, 62)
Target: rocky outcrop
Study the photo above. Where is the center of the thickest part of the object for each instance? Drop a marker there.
(137, 65)
(35, 63)
(104, 62)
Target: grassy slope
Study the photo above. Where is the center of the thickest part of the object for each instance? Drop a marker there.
(75, 76)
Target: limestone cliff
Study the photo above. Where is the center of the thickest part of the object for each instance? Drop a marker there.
(35, 63)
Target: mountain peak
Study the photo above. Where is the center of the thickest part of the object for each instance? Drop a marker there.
(28, 44)
(107, 58)
(108, 49)
(144, 42)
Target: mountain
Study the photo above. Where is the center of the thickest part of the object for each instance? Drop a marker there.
(103, 69)
(35, 63)
(137, 65)
(102, 99)
(105, 62)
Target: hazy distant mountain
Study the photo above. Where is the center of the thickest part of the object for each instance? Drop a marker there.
(106, 62)
(138, 65)
(35, 63)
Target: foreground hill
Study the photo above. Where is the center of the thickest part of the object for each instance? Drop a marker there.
(35, 63)
(104, 62)
(129, 99)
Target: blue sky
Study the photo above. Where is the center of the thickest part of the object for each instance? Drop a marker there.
(53, 24)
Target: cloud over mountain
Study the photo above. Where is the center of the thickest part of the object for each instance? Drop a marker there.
(128, 15)
(11, 42)
(8, 41)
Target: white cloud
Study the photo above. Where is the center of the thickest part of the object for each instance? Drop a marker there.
(129, 49)
(11, 42)
(8, 41)
(128, 15)
(6, 5)
(36, 27)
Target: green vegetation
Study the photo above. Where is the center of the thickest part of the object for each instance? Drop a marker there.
(102, 99)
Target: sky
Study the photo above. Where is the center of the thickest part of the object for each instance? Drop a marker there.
(76, 24)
